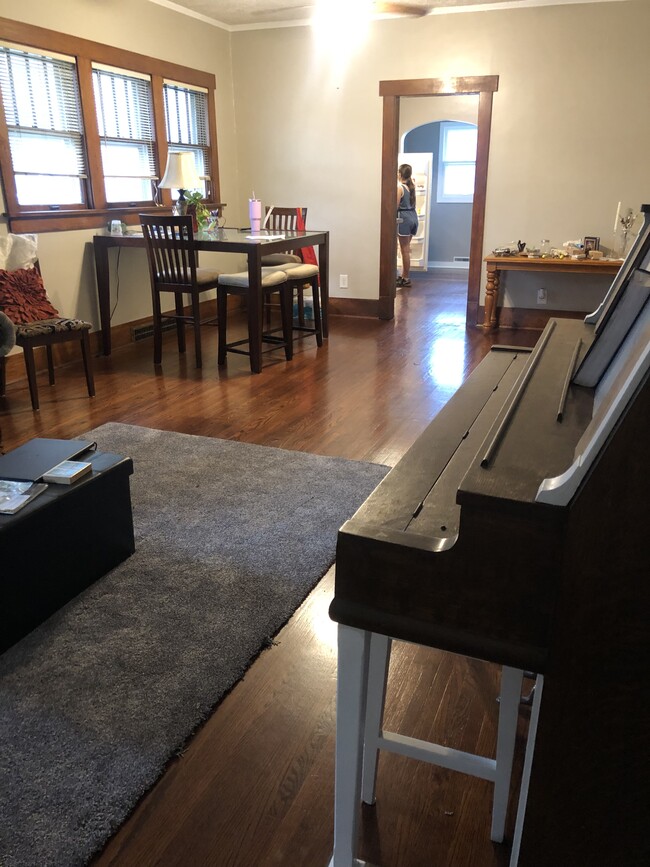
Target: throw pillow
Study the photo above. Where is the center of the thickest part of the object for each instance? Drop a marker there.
(5, 246)
(23, 297)
(22, 252)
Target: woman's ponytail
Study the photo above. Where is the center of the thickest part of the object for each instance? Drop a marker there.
(405, 172)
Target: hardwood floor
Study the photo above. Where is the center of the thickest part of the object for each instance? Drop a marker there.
(254, 787)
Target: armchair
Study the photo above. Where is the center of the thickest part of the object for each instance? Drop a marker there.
(37, 323)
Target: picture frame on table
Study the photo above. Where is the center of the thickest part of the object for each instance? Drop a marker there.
(591, 242)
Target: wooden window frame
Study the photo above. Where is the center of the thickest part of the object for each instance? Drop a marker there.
(98, 214)
(443, 164)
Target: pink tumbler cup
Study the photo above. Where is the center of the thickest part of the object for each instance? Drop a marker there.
(255, 214)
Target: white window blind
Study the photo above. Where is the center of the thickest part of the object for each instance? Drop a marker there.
(40, 95)
(457, 162)
(126, 129)
(186, 118)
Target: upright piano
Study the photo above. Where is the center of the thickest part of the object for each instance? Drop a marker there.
(516, 530)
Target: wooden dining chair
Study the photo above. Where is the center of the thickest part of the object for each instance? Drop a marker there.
(173, 269)
(38, 323)
(301, 274)
(238, 284)
(295, 219)
(284, 220)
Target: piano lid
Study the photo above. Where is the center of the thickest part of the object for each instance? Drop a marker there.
(555, 422)
(620, 309)
(616, 364)
(629, 369)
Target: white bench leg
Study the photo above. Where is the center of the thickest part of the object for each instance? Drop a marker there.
(363, 662)
(351, 692)
(511, 679)
(380, 646)
(528, 763)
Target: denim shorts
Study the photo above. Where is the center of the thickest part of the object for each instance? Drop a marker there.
(409, 222)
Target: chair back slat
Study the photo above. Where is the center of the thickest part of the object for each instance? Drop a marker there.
(284, 220)
(171, 249)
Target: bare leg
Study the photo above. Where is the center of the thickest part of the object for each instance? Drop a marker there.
(405, 250)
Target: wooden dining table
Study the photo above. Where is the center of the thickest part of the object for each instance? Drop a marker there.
(223, 240)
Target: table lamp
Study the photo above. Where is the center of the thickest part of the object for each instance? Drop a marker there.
(180, 174)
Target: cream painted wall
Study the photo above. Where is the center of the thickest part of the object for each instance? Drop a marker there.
(569, 135)
(66, 258)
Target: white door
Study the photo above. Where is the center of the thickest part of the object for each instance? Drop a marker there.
(422, 171)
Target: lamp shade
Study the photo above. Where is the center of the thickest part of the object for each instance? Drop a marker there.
(180, 172)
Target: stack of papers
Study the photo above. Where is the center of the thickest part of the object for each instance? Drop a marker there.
(264, 236)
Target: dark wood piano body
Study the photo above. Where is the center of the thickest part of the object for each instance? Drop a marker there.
(461, 556)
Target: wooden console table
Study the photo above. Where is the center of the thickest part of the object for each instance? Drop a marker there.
(496, 264)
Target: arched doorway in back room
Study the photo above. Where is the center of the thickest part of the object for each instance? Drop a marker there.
(442, 153)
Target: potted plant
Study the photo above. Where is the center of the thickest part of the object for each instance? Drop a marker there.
(197, 208)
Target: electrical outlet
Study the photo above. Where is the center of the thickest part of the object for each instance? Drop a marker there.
(343, 281)
(541, 296)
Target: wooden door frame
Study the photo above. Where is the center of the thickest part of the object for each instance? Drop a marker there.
(392, 91)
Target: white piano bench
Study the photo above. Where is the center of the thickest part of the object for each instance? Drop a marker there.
(363, 660)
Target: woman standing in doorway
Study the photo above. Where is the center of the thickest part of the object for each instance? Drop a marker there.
(407, 219)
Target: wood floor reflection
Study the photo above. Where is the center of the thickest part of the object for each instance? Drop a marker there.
(254, 788)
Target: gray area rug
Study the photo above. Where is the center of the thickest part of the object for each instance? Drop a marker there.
(230, 538)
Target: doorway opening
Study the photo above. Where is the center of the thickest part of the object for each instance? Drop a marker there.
(393, 92)
(442, 154)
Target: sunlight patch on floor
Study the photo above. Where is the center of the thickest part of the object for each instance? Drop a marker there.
(453, 320)
(325, 630)
(447, 362)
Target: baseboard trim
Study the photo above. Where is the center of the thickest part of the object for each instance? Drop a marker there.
(458, 266)
(366, 307)
(529, 318)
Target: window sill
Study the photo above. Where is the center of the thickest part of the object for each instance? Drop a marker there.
(62, 221)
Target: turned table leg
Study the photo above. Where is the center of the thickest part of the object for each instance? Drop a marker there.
(491, 297)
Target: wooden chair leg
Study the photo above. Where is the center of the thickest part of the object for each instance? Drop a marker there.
(3, 377)
(286, 310)
(30, 367)
(50, 363)
(318, 324)
(196, 316)
(222, 314)
(88, 362)
(157, 328)
(301, 303)
(180, 325)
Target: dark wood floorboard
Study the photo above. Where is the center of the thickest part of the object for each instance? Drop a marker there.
(254, 788)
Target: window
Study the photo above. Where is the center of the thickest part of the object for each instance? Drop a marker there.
(186, 119)
(125, 121)
(456, 162)
(44, 125)
(89, 126)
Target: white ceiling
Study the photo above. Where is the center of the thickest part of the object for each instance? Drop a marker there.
(244, 14)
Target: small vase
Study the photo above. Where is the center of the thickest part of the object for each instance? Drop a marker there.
(191, 209)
